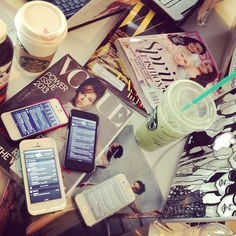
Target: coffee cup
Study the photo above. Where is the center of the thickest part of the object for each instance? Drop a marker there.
(170, 121)
(41, 27)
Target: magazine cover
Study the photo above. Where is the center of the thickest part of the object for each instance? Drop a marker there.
(105, 63)
(155, 61)
(204, 187)
(70, 83)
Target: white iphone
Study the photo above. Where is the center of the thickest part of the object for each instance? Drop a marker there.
(104, 199)
(42, 177)
(33, 119)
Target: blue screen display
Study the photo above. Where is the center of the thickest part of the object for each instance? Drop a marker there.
(35, 118)
(81, 140)
(42, 175)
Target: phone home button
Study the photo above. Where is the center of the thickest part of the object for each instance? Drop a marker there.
(85, 209)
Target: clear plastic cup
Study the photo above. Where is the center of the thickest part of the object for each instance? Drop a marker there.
(168, 122)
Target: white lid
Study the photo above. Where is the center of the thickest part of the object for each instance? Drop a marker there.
(200, 115)
(41, 21)
(3, 31)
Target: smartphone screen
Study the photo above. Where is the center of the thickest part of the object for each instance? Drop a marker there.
(81, 139)
(81, 143)
(35, 118)
(42, 175)
(106, 199)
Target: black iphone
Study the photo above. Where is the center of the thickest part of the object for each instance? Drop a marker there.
(81, 142)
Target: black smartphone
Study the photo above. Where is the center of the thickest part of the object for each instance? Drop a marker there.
(81, 142)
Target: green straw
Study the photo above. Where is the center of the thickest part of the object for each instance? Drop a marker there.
(210, 90)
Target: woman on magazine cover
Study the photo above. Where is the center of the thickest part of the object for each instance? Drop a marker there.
(86, 95)
(205, 73)
(186, 51)
(177, 42)
(191, 68)
(188, 63)
(193, 45)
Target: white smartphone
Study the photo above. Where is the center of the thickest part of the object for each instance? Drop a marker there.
(44, 188)
(104, 199)
(36, 118)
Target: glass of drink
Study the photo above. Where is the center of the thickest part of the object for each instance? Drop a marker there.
(169, 121)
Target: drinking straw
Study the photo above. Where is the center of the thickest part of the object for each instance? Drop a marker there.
(210, 90)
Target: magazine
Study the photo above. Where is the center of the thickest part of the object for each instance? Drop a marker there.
(131, 162)
(155, 61)
(103, 9)
(105, 63)
(64, 80)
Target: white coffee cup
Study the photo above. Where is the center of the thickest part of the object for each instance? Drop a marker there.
(41, 27)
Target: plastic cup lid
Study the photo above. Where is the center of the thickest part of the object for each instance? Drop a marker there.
(3, 31)
(184, 91)
(41, 21)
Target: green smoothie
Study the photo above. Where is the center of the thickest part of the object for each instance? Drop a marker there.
(164, 133)
(169, 122)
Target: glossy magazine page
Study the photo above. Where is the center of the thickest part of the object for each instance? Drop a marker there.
(134, 165)
(155, 61)
(123, 156)
(69, 82)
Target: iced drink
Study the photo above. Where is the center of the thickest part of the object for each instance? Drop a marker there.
(168, 122)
